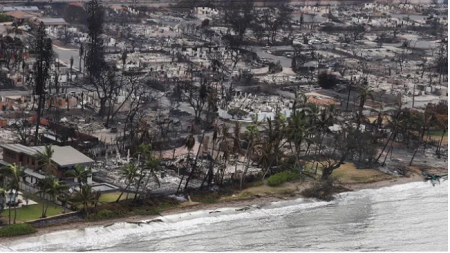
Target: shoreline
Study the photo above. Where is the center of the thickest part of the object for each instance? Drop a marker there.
(187, 207)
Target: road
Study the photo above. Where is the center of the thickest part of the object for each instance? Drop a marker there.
(64, 55)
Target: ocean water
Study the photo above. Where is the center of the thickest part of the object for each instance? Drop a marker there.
(408, 217)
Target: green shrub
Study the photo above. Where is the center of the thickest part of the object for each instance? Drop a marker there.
(279, 178)
(102, 215)
(105, 214)
(16, 229)
(257, 183)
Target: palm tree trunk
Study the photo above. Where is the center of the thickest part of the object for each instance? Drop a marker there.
(43, 205)
(418, 145)
(387, 154)
(211, 176)
(385, 145)
(46, 208)
(348, 98)
(118, 199)
(195, 163)
(15, 210)
(138, 184)
(235, 166)
(246, 167)
(9, 211)
(438, 150)
(178, 189)
(38, 120)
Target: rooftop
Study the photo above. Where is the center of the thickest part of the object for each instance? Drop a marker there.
(20, 8)
(20, 14)
(63, 156)
(52, 21)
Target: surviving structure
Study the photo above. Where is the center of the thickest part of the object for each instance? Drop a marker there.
(64, 158)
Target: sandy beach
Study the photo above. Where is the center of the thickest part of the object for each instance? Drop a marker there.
(195, 206)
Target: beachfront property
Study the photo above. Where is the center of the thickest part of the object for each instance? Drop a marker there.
(64, 158)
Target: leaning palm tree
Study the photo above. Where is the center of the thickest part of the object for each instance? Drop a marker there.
(252, 135)
(16, 174)
(129, 174)
(189, 143)
(150, 167)
(81, 173)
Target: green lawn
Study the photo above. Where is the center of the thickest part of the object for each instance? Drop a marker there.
(112, 196)
(31, 212)
(348, 173)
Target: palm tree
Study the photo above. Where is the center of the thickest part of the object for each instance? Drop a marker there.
(236, 144)
(52, 188)
(196, 160)
(85, 196)
(365, 93)
(15, 173)
(189, 143)
(45, 158)
(129, 174)
(379, 121)
(296, 132)
(81, 173)
(252, 135)
(224, 146)
(210, 173)
(396, 124)
(421, 121)
(151, 166)
(96, 198)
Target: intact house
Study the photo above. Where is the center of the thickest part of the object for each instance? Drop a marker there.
(64, 159)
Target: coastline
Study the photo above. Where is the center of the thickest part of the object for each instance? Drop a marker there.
(196, 206)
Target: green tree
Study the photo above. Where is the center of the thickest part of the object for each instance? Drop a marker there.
(148, 170)
(128, 173)
(45, 158)
(51, 188)
(85, 196)
(81, 173)
(189, 143)
(15, 174)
